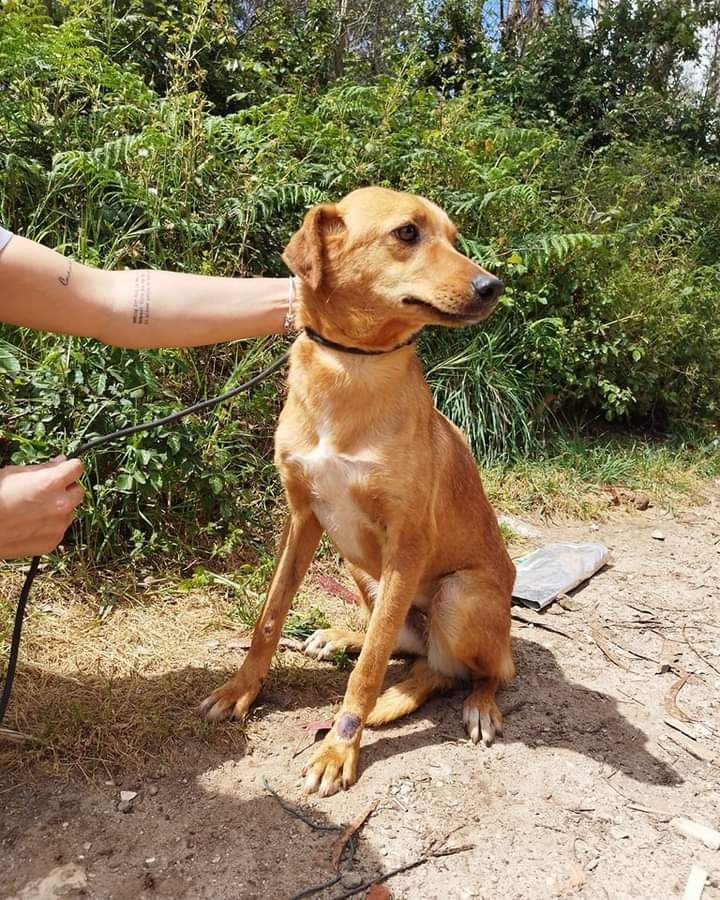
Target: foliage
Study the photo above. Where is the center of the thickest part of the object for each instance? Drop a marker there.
(193, 137)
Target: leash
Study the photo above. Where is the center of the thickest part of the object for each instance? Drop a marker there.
(95, 444)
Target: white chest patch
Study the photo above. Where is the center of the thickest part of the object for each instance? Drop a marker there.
(331, 476)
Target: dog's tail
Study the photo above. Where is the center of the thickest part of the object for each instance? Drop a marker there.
(408, 695)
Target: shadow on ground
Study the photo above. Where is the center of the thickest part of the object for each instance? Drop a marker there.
(142, 722)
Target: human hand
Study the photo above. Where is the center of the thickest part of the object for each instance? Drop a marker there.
(37, 503)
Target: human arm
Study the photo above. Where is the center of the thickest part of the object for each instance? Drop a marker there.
(41, 289)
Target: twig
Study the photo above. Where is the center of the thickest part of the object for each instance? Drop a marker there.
(601, 641)
(348, 832)
(663, 815)
(411, 865)
(679, 726)
(297, 812)
(670, 703)
(537, 624)
(696, 749)
(697, 652)
(317, 826)
(15, 737)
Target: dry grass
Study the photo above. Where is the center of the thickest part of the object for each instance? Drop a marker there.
(117, 693)
(100, 695)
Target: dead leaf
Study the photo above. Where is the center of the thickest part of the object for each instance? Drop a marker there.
(348, 831)
(318, 729)
(379, 892)
(333, 586)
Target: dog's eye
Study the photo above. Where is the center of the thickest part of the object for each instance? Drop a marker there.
(407, 233)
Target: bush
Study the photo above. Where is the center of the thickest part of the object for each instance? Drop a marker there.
(609, 256)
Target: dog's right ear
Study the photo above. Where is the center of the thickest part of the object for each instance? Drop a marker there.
(306, 249)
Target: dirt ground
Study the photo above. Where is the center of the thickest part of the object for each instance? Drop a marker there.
(575, 800)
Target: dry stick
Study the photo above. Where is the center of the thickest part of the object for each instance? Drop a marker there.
(411, 865)
(542, 625)
(350, 842)
(317, 826)
(15, 737)
(670, 699)
(601, 641)
(697, 652)
(629, 650)
(347, 833)
(696, 749)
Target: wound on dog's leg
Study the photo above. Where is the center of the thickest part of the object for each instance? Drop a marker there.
(347, 726)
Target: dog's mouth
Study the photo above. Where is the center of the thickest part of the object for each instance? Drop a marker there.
(469, 316)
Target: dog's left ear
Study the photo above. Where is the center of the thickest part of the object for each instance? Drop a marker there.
(304, 255)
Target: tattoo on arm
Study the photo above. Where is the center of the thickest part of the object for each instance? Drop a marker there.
(141, 299)
(65, 279)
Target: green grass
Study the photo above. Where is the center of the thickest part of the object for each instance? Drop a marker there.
(569, 477)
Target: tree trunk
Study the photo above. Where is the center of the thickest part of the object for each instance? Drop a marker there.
(341, 38)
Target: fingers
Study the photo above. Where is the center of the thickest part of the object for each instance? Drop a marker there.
(66, 471)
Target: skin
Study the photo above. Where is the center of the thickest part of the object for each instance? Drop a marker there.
(43, 290)
(364, 455)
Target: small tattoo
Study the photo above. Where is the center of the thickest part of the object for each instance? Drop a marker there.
(347, 726)
(65, 279)
(141, 299)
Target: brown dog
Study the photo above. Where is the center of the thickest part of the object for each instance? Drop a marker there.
(364, 455)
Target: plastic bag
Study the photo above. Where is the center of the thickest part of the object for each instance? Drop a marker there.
(556, 569)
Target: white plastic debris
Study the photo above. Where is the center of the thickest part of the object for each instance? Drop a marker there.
(708, 836)
(695, 883)
(556, 569)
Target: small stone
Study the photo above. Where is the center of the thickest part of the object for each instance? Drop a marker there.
(127, 796)
(152, 790)
(657, 536)
(352, 879)
(594, 527)
(642, 501)
(125, 806)
(150, 860)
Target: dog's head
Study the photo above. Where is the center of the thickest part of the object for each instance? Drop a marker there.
(380, 264)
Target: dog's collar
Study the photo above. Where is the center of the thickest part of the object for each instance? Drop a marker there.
(344, 348)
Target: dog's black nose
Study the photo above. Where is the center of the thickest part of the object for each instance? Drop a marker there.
(487, 287)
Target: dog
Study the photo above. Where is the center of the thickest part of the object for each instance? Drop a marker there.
(364, 456)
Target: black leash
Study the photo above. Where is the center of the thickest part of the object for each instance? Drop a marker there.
(95, 444)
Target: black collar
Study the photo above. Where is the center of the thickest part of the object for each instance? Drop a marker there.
(333, 345)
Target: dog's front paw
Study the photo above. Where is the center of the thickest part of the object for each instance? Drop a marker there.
(334, 764)
(231, 700)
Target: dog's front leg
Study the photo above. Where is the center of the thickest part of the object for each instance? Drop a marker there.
(335, 763)
(298, 544)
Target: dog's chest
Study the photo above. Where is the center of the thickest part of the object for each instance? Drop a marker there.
(335, 480)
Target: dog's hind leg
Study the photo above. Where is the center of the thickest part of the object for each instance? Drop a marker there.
(298, 544)
(326, 642)
(469, 636)
(408, 695)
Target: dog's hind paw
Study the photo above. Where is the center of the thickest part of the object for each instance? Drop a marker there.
(482, 718)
